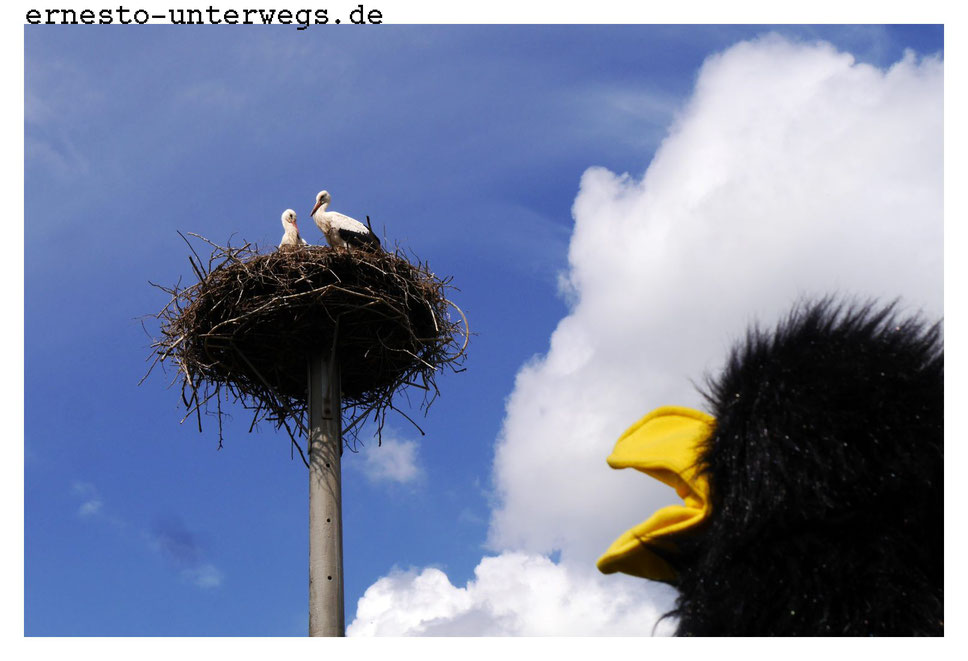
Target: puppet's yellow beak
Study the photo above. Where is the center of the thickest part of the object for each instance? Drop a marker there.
(664, 444)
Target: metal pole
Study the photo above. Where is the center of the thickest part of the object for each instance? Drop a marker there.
(325, 501)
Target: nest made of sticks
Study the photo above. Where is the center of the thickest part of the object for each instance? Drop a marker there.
(247, 329)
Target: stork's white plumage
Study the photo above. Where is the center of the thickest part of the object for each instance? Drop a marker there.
(290, 237)
(341, 231)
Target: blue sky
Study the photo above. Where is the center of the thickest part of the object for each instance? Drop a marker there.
(467, 145)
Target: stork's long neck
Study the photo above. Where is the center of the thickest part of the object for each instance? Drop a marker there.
(319, 215)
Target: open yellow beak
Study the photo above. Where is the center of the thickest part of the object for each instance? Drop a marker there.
(665, 445)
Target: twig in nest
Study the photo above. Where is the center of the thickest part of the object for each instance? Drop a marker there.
(244, 332)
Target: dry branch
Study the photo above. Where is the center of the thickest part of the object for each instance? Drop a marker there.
(244, 332)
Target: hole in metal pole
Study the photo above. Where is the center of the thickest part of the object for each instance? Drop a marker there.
(329, 578)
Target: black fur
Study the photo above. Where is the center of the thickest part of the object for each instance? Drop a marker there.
(826, 478)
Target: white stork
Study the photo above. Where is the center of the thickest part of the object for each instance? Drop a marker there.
(291, 238)
(339, 230)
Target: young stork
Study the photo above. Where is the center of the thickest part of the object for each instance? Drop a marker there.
(339, 230)
(291, 238)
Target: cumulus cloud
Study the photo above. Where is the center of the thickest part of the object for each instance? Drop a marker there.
(393, 461)
(511, 594)
(793, 171)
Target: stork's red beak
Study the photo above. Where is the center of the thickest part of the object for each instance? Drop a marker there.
(315, 207)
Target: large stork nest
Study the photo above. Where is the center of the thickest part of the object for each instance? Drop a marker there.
(246, 330)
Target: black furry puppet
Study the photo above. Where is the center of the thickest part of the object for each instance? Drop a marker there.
(812, 497)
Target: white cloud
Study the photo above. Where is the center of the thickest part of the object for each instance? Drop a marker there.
(392, 461)
(90, 507)
(793, 171)
(204, 576)
(92, 502)
(511, 594)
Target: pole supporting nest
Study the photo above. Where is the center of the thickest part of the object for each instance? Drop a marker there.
(326, 614)
(254, 324)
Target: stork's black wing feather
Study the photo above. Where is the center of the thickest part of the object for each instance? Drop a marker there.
(359, 239)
